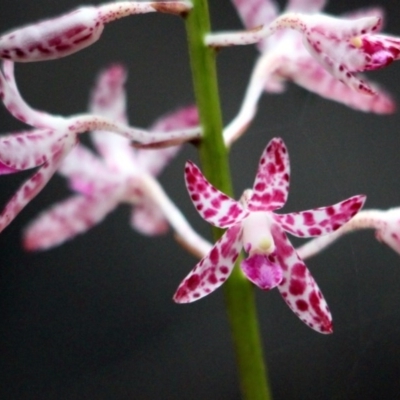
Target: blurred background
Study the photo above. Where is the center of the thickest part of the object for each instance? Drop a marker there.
(94, 319)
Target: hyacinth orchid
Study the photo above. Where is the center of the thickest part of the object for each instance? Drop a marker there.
(53, 139)
(386, 224)
(121, 175)
(252, 225)
(65, 35)
(327, 53)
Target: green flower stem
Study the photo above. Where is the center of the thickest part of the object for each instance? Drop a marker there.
(239, 293)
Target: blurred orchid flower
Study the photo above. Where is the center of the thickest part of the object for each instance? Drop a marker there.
(313, 50)
(65, 35)
(386, 224)
(122, 174)
(252, 225)
(53, 139)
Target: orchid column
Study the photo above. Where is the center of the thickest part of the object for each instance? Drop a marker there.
(239, 295)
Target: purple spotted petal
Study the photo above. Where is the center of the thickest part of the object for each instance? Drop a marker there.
(29, 190)
(332, 42)
(320, 221)
(65, 35)
(25, 150)
(307, 72)
(213, 270)
(64, 220)
(262, 270)
(214, 206)
(298, 288)
(271, 186)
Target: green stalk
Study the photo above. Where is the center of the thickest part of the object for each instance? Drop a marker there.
(239, 295)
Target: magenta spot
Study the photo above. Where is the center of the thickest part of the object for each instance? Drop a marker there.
(190, 178)
(209, 213)
(195, 197)
(286, 177)
(278, 196)
(299, 270)
(297, 287)
(214, 256)
(271, 168)
(301, 305)
(201, 187)
(330, 210)
(260, 186)
(315, 231)
(193, 282)
(74, 31)
(212, 279)
(224, 270)
(216, 203)
(308, 218)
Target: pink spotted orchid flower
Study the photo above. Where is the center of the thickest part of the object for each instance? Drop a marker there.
(65, 35)
(120, 174)
(52, 140)
(386, 224)
(252, 225)
(315, 51)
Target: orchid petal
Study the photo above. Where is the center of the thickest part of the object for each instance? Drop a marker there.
(153, 161)
(320, 221)
(214, 206)
(29, 190)
(148, 219)
(309, 74)
(262, 270)
(271, 186)
(86, 172)
(372, 11)
(65, 35)
(109, 100)
(25, 150)
(213, 270)
(299, 289)
(64, 220)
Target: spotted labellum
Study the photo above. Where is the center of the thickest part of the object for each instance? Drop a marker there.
(252, 225)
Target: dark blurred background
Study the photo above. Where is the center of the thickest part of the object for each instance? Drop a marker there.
(94, 319)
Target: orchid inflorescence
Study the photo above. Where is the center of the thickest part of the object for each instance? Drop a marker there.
(321, 53)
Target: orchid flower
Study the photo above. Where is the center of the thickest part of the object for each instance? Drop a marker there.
(122, 174)
(327, 53)
(65, 35)
(272, 261)
(51, 141)
(386, 224)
